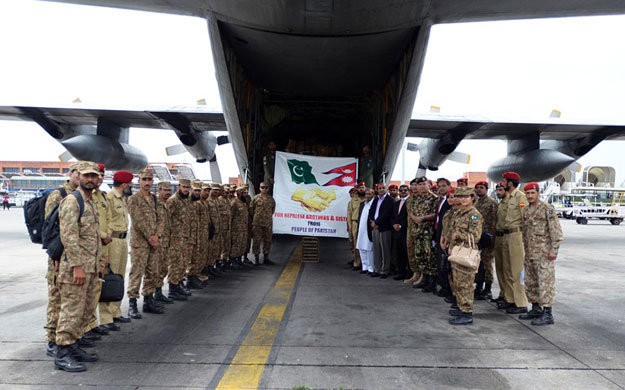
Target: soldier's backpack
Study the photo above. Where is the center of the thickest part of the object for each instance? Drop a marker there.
(34, 215)
(51, 233)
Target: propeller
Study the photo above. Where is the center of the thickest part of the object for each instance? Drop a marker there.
(215, 172)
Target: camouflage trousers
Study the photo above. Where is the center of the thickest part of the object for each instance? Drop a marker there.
(540, 280)
(262, 233)
(424, 257)
(225, 249)
(118, 259)
(214, 250)
(249, 237)
(163, 265)
(410, 249)
(93, 317)
(488, 258)
(144, 266)
(77, 304)
(198, 260)
(354, 237)
(238, 242)
(189, 252)
(463, 279)
(54, 303)
(177, 260)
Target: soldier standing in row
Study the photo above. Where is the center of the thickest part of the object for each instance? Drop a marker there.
(500, 192)
(422, 214)
(542, 235)
(80, 235)
(180, 235)
(195, 221)
(164, 232)
(117, 230)
(54, 299)
(411, 231)
(465, 228)
(238, 234)
(226, 217)
(205, 235)
(262, 208)
(144, 250)
(215, 219)
(487, 207)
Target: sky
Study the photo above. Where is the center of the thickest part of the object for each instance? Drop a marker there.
(109, 58)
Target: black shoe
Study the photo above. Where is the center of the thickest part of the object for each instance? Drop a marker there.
(375, 275)
(182, 290)
(267, 261)
(102, 331)
(455, 312)
(150, 306)
(497, 300)
(364, 271)
(194, 283)
(486, 293)
(66, 362)
(462, 319)
(158, 296)
(400, 276)
(122, 320)
(383, 276)
(532, 314)
(356, 268)
(424, 282)
(91, 336)
(454, 306)
(113, 327)
(81, 355)
(443, 292)
(85, 343)
(133, 312)
(174, 294)
(430, 286)
(545, 319)
(52, 349)
(516, 310)
(503, 304)
(213, 272)
(450, 299)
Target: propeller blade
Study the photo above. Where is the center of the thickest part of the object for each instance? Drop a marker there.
(575, 167)
(175, 149)
(65, 156)
(214, 168)
(421, 171)
(459, 157)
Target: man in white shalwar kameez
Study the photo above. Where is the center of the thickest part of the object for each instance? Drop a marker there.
(363, 242)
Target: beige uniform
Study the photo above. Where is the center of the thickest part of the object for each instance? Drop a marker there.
(164, 231)
(352, 219)
(143, 256)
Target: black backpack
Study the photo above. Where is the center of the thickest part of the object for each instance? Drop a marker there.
(51, 233)
(34, 215)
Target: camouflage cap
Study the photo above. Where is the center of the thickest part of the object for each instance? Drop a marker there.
(164, 185)
(73, 167)
(196, 184)
(242, 188)
(146, 173)
(215, 186)
(206, 186)
(465, 191)
(85, 167)
(184, 182)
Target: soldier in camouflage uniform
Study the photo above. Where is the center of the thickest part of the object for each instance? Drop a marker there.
(180, 234)
(239, 227)
(487, 207)
(164, 231)
(144, 250)
(199, 223)
(465, 228)
(542, 235)
(215, 220)
(205, 235)
(54, 299)
(422, 213)
(248, 202)
(78, 269)
(353, 208)
(262, 208)
(226, 221)
(411, 233)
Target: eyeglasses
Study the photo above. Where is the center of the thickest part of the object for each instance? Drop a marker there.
(263, 187)
(403, 190)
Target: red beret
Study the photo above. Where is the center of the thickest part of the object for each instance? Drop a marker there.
(102, 167)
(362, 183)
(501, 184)
(511, 175)
(392, 186)
(123, 177)
(451, 191)
(482, 183)
(464, 179)
(531, 186)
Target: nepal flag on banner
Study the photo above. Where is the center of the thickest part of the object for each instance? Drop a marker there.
(347, 175)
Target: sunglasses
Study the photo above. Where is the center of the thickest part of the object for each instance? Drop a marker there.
(403, 190)
(263, 187)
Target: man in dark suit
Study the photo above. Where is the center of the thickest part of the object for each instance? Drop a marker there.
(399, 221)
(443, 186)
(380, 220)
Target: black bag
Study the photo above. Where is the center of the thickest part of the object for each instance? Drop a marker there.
(34, 215)
(51, 232)
(112, 287)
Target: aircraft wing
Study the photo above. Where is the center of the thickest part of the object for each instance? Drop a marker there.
(171, 118)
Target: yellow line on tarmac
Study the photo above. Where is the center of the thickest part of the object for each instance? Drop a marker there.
(248, 364)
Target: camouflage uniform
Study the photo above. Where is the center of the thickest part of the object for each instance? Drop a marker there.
(509, 222)
(352, 219)
(239, 228)
(446, 232)
(424, 260)
(215, 243)
(143, 257)
(193, 245)
(117, 228)
(542, 234)
(464, 223)
(180, 235)
(226, 216)
(411, 234)
(81, 240)
(487, 207)
(198, 261)
(250, 217)
(164, 231)
(54, 299)
(262, 209)
(99, 198)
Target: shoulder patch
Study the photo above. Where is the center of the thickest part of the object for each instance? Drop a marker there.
(521, 204)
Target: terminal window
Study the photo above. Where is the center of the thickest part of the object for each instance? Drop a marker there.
(10, 170)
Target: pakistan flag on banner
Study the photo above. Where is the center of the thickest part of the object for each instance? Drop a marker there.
(301, 172)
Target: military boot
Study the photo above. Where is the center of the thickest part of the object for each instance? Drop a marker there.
(425, 279)
(174, 294)
(80, 354)
(183, 289)
(545, 319)
(213, 272)
(479, 289)
(534, 313)
(267, 261)
(52, 349)
(66, 362)
(450, 299)
(498, 299)
(91, 336)
(133, 312)
(462, 319)
(83, 342)
(455, 312)
(158, 296)
(149, 306)
(194, 283)
(256, 260)
(486, 293)
(431, 286)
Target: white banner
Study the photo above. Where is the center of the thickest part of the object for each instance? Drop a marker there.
(312, 194)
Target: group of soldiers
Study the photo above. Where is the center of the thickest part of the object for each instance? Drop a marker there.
(518, 235)
(187, 238)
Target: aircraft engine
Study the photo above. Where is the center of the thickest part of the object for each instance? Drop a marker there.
(114, 154)
(533, 165)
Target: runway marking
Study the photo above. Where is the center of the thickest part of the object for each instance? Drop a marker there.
(248, 364)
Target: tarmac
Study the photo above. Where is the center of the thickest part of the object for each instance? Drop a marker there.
(322, 326)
